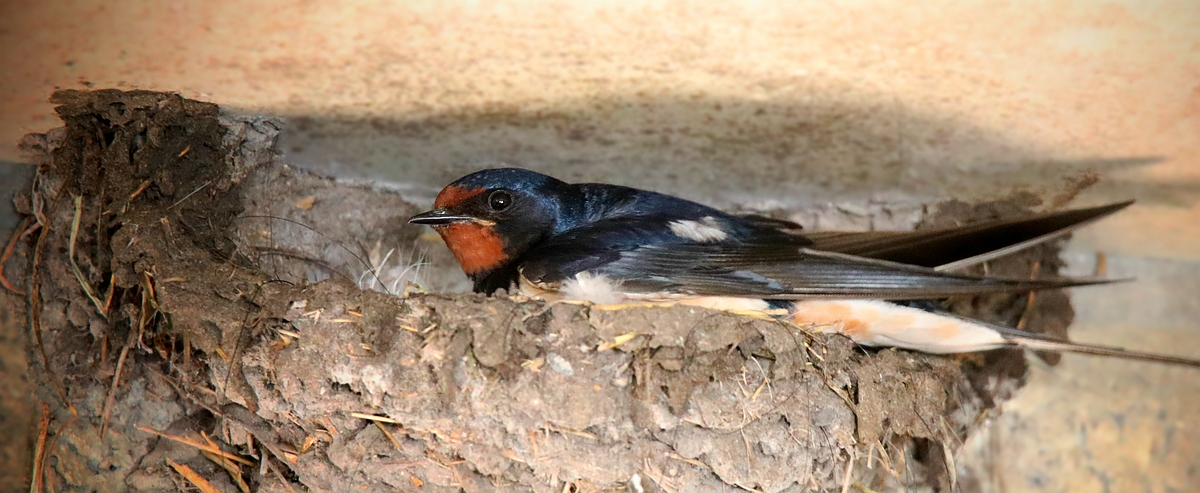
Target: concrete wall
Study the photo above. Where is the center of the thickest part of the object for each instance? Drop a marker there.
(768, 103)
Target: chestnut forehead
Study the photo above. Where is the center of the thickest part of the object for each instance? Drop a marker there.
(455, 195)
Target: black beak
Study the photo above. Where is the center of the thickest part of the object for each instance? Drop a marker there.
(438, 216)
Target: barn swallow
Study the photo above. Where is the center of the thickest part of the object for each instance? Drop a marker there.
(540, 237)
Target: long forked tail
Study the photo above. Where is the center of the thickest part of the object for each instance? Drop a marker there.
(953, 248)
(882, 324)
(1042, 343)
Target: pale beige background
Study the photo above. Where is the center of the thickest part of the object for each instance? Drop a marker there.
(764, 103)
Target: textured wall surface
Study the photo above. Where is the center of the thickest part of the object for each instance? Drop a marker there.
(766, 103)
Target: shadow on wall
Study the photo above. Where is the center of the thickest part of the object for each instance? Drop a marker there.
(17, 411)
(13, 176)
(717, 150)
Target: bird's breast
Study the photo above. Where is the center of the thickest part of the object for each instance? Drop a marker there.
(879, 323)
(867, 322)
(607, 293)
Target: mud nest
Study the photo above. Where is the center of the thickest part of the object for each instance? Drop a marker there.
(196, 316)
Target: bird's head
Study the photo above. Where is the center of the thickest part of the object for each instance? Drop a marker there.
(491, 217)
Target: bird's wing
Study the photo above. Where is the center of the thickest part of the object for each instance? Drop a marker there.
(643, 256)
(761, 221)
(953, 248)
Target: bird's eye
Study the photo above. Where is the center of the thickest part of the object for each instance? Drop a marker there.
(499, 200)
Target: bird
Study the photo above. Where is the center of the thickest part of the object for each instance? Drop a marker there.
(538, 237)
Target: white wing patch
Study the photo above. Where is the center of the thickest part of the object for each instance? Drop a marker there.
(879, 323)
(703, 231)
(596, 288)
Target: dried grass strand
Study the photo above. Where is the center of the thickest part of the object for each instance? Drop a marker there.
(197, 480)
